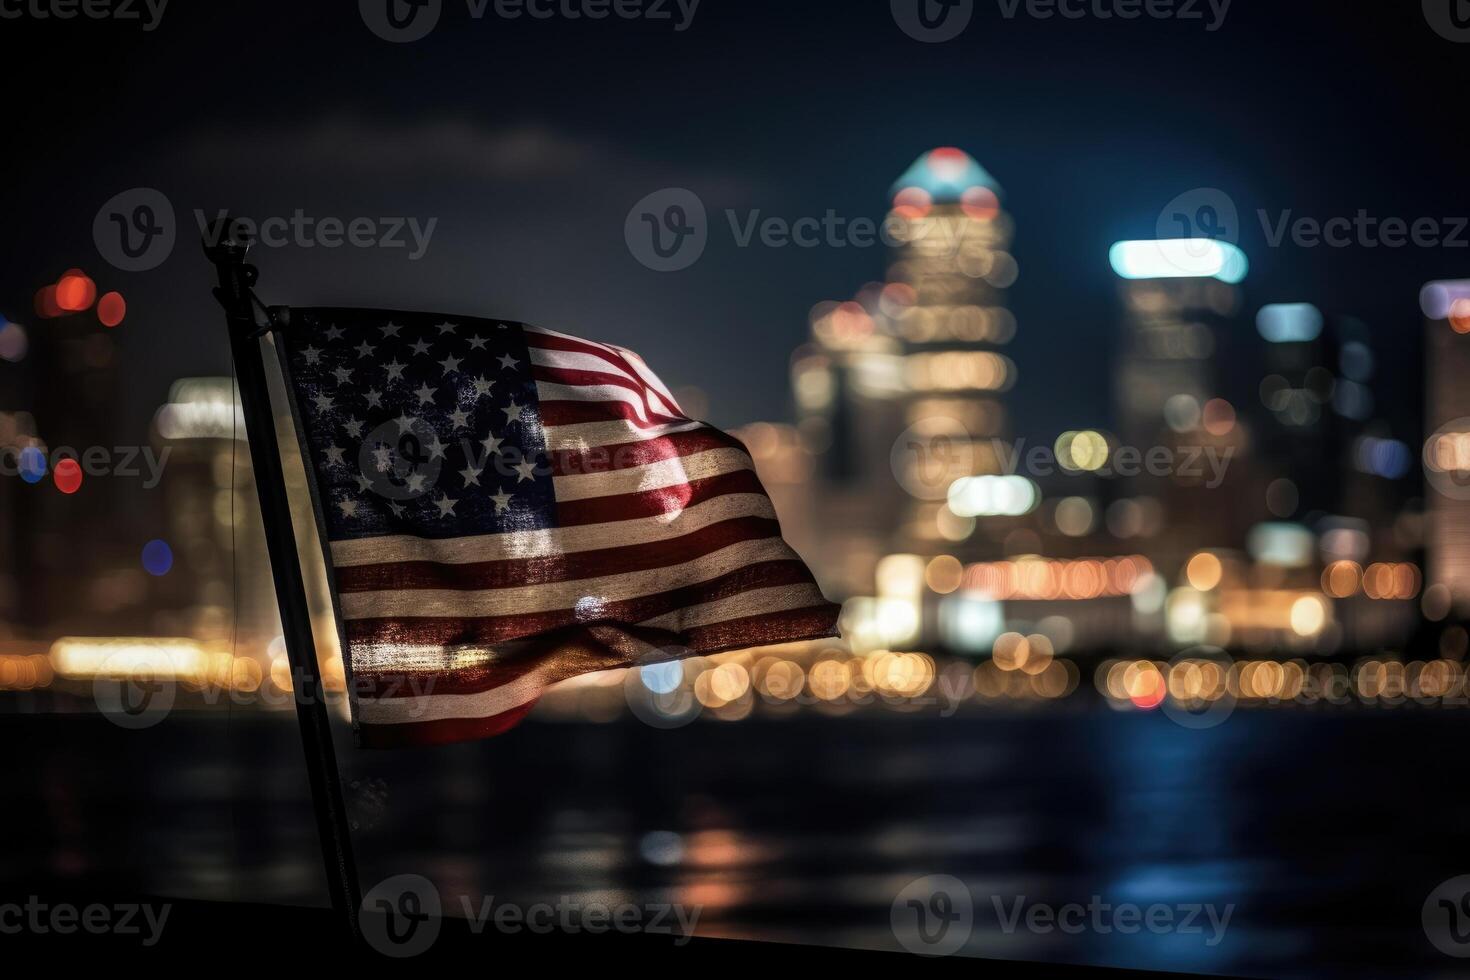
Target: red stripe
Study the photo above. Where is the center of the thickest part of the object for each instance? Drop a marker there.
(547, 341)
(651, 503)
(813, 623)
(606, 459)
(469, 630)
(509, 572)
(449, 730)
(578, 378)
(568, 412)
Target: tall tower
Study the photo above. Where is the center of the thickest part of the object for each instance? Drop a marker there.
(944, 304)
(899, 393)
(1177, 294)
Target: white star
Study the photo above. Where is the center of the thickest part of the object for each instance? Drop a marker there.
(383, 458)
(390, 329)
(334, 455)
(436, 449)
(446, 327)
(508, 361)
(416, 482)
(420, 347)
(526, 469)
(459, 418)
(502, 502)
(322, 402)
(482, 387)
(395, 370)
(425, 393)
(334, 333)
(451, 364)
(349, 508)
(343, 375)
(445, 505)
(365, 349)
(491, 443)
(478, 343)
(374, 398)
(404, 423)
(353, 426)
(512, 413)
(312, 355)
(363, 483)
(396, 507)
(471, 475)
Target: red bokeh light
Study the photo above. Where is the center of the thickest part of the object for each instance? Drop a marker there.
(111, 309)
(68, 476)
(75, 291)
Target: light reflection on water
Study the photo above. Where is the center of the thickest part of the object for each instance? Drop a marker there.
(806, 829)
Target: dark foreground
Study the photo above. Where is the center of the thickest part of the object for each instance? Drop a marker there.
(1320, 835)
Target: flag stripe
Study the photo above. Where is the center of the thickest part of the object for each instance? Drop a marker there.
(606, 458)
(569, 410)
(607, 393)
(453, 630)
(566, 567)
(582, 436)
(491, 668)
(591, 593)
(661, 475)
(558, 540)
(669, 500)
(619, 357)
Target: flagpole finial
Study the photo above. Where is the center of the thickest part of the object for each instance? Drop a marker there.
(227, 243)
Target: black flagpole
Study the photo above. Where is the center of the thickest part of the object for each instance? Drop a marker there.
(248, 321)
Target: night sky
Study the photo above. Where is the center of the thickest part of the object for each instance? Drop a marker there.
(530, 140)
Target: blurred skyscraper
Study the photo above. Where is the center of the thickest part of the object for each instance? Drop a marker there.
(1446, 306)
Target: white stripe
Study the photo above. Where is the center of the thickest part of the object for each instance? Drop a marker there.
(652, 476)
(591, 435)
(575, 360)
(552, 541)
(578, 361)
(550, 391)
(439, 707)
(590, 593)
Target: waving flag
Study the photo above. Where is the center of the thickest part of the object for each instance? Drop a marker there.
(505, 507)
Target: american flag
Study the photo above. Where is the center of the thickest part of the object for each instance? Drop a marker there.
(504, 507)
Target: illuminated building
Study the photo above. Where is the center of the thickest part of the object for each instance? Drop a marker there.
(899, 392)
(1178, 296)
(1446, 307)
